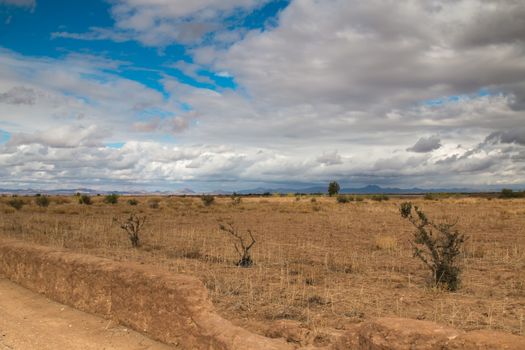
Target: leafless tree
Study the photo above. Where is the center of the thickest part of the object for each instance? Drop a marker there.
(242, 247)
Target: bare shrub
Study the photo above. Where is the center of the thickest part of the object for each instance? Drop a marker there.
(132, 225)
(438, 246)
(236, 200)
(242, 248)
(154, 203)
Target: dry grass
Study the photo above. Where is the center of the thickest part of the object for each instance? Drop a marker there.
(322, 263)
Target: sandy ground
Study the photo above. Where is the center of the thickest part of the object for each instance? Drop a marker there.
(31, 321)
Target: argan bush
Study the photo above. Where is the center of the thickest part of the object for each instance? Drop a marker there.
(207, 199)
(16, 203)
(42, 201)
(111, 198)
(84, 199)
(438, 246)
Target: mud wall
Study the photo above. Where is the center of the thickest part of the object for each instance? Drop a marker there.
(171, 308)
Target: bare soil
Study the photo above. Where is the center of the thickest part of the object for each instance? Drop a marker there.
(30, 321)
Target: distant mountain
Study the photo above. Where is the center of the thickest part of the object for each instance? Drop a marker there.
(369, 189)
(89, 191)
(185, 191)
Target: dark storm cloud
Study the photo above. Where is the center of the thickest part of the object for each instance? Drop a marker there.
(426, 144)
(19, 95)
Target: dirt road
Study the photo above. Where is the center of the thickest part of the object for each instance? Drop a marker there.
(31, 321)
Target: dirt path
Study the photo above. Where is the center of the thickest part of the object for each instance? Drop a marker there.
(31, 321)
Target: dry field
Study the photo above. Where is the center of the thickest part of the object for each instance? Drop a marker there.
(321, 263)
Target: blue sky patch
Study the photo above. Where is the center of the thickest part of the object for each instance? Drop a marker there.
(4, 136)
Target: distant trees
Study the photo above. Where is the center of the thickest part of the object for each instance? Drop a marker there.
(333, 188)
(508, 193)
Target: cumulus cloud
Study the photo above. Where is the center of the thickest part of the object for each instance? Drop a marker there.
(426, 144)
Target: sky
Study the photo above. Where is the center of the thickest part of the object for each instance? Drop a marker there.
(237, 94)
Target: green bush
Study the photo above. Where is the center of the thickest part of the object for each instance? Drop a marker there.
(438, 246)
(133, 201)
(111, 198)
(430, 196)
(42, 201)
(16, 203)
(207, 199)
(343, 198)
(379, 197)
(84, 199)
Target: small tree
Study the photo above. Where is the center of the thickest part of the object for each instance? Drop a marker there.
(438, 246)
(242, 249)
(333, 188)
(132, 226)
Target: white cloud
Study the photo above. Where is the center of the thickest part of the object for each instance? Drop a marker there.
(163, 22)
(70, 136)
(22, 3)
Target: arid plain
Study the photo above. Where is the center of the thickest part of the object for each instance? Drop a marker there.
(323, 264)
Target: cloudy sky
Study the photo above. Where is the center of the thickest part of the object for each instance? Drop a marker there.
(235, 94)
